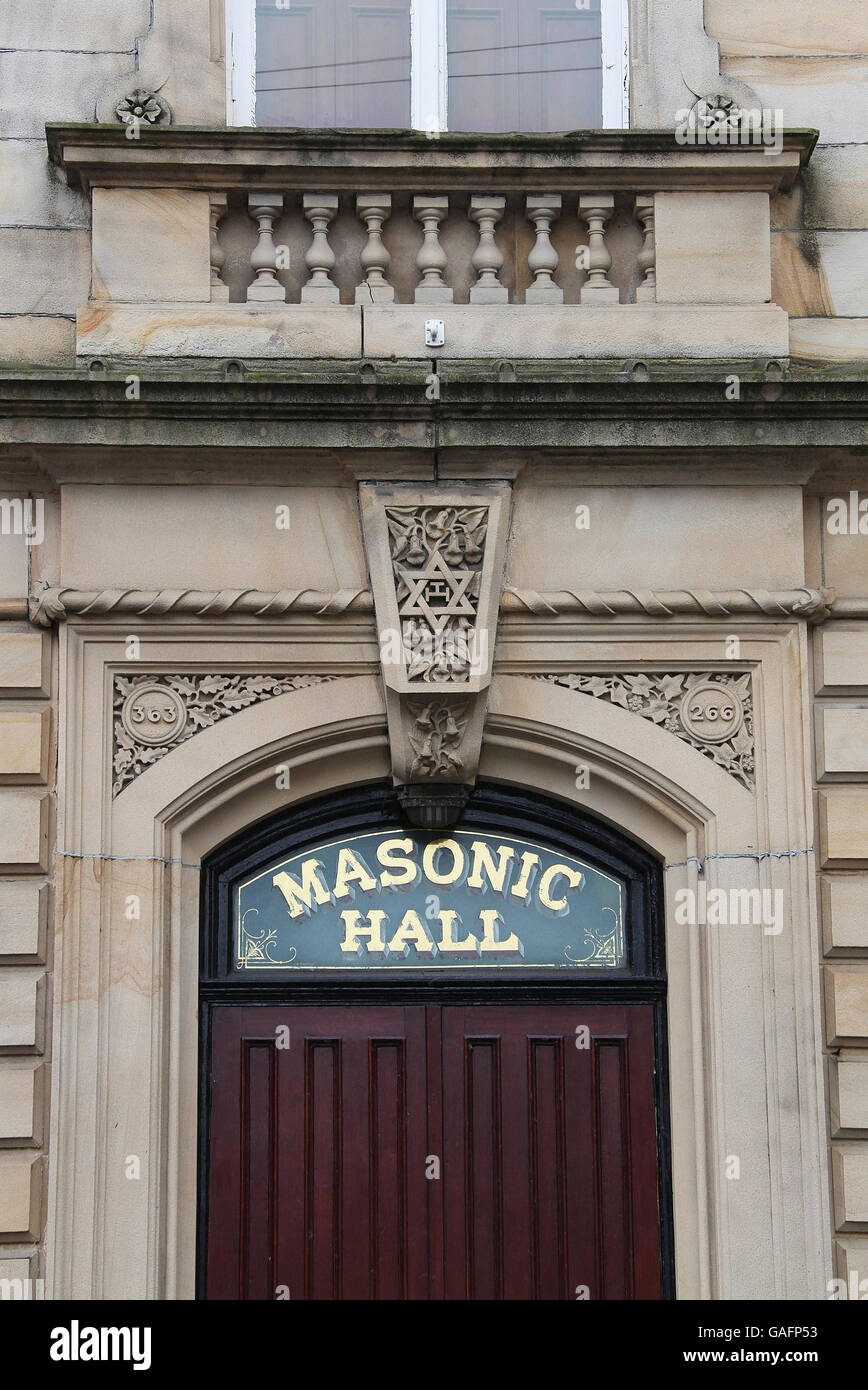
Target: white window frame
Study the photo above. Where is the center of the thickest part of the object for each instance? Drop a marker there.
(615, 31)
(241, 62)
(428, 75)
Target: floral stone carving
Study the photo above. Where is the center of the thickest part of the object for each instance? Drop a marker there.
(153, 714)
(718, 112)
(711, 711)
(435, 738)
(435, 558)
(143, 106)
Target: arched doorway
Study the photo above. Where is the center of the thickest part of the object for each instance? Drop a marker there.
(433, 1070)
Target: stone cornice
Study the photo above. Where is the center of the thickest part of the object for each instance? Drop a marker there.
(516, 404)
(491, 378)
(286, 159)
(53, 605)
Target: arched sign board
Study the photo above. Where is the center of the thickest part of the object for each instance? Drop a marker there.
(391, 899)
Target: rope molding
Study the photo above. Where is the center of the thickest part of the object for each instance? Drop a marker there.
(767, 603)
(53, 605)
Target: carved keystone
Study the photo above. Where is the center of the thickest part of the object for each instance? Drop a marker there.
(436, 565)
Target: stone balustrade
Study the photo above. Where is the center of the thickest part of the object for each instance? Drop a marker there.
(434, 269)
(343, 244)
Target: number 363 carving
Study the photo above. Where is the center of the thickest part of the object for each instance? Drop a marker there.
(154, 714)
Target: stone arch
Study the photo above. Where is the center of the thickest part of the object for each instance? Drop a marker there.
(128, 988)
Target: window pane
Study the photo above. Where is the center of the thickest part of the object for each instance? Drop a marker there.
(333, 63)
(524, 65)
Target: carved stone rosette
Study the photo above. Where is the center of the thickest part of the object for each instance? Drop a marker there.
(153, 714)
(436, 565)
(711, 710)
(143, 106)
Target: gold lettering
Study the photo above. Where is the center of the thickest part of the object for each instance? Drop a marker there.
(400, 860)
(496, 873)
(300, 896)
(491, 920)
(352, 869)
(353, 929)
(411, 932)
(521, 887)
(557, 905)
(448, 945)
(429, 855)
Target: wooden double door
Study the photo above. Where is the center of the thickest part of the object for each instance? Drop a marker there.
(431, 1151)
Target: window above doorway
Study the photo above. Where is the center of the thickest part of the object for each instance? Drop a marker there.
(435, 65)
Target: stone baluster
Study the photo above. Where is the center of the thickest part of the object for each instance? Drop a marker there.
(431, 258)
(487, 258)
(543, 209)
(320, 209)
(264, 209)
(218, 203)
(595, 209)
(374, 208)
(647, 258)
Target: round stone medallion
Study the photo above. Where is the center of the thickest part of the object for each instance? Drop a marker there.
(153, 714)
(711, 712)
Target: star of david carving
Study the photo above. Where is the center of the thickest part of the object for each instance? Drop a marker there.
(437, 580)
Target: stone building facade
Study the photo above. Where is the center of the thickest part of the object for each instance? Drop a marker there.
(278, 407)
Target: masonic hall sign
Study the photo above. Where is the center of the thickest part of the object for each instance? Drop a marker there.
(398, 899)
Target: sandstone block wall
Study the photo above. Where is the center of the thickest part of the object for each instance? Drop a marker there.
(840, 681)
(809, 61)
(27, 763)
(74, 62)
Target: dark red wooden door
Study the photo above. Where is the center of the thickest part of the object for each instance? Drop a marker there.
(550, 1172)
(387, 1152)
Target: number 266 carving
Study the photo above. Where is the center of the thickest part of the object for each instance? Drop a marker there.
(711, 712)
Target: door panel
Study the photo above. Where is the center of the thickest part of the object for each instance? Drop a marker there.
(325, 1213)
(550, 1156)
(319, 1151)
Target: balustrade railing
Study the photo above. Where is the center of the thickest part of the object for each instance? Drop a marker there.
(380, 274)
(319, 244)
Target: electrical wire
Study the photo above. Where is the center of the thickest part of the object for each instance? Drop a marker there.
(405, 57)
(453, 76)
